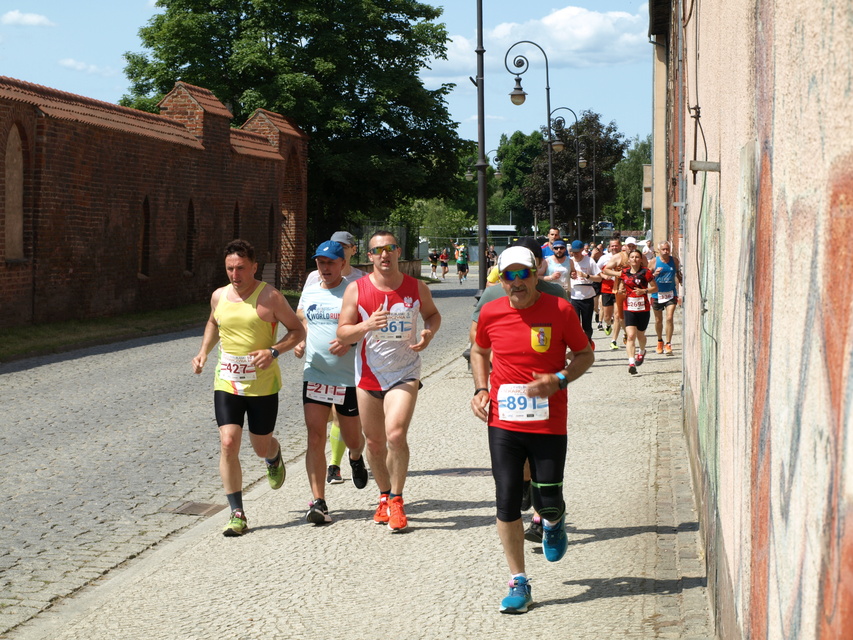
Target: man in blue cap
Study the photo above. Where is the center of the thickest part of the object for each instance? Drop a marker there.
(328, 377)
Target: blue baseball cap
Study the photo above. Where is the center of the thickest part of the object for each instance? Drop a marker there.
(558, 243)
(330, 249)
(577, 245)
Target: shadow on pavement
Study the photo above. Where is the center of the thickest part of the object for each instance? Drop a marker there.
(625, 586)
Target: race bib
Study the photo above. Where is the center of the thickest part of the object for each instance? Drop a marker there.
(665, 296)
(515, 406)
(236, 368)
(399, 327)
(325, 392)
(637, 304)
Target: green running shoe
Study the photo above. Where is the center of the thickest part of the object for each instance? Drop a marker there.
(237, 525)
(276, 473)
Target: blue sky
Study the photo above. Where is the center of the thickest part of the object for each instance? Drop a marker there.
(598, 54)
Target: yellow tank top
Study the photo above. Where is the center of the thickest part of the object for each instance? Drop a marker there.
(241, 331)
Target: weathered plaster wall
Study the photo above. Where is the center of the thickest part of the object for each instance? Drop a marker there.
(768, 330)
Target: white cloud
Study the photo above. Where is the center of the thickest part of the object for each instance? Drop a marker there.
(91, 69)
(19, 19)
(572, 37)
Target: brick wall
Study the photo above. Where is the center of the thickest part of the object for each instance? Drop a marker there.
(88, 177)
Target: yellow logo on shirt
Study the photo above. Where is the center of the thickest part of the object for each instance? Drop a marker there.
(540, 338)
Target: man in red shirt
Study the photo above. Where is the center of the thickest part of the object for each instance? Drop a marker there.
(526, 335)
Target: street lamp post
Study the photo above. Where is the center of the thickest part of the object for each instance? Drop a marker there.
(481, 159)
(560, 125)
(518, 95)
(469, 176)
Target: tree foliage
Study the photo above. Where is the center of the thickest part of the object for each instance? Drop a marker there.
(346, 71)
(602, 146)
(517, 154)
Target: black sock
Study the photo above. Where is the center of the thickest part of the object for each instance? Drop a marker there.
(391, 496)
(235, 500)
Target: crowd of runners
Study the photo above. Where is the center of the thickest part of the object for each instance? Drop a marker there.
(360, 336)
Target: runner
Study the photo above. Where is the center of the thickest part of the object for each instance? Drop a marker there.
(533, 532)
(443, 258)
(380, 313)
(433, 261)
(244, 319)
(525, 336)
(548, 247)
(637, 283)
(350, 274)
(462, 262)
(328, 378)
(614, 269)
(608, 298)
(667, 271)
(583, 273)
(558, 265)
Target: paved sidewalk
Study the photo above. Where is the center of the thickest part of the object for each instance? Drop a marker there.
(634, 568)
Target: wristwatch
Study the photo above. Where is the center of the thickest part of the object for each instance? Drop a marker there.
(274, 353)
(562, 383)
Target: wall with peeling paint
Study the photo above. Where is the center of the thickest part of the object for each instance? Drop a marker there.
(768, 313)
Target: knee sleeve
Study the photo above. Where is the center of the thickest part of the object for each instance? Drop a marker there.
(548, 500)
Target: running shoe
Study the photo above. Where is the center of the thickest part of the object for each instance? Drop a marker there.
(659, 348)
(641, 357)
(318, 512)
(608, 329)
(624, 339)
(276, 473)
(600, 327)
(518, 598)
(237, 525)
(359, 472)
(554, 540)
(397, 521)
(614, 346)
(533, 533)
(592, 345)
(526, 496)
(632, 369)
(333, 475)
(381, 515)
(667, 349)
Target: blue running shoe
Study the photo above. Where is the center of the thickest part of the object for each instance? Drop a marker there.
(518, 598)
(554, 540)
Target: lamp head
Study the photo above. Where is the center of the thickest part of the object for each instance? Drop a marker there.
(558, 145)
(518, 94)
(582, 162)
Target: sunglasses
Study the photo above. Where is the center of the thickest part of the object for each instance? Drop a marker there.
(516, 274)
(386, 247)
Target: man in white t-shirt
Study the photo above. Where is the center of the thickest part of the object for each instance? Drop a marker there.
(558, 265)
(582, 294)
(349, 273)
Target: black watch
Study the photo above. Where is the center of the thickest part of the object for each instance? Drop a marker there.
(562, 382)
(274, 353)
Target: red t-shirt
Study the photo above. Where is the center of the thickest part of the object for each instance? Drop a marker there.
(527, 340)
(634, 281)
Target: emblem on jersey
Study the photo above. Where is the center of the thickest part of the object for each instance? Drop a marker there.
(540, 338)
(407, 302)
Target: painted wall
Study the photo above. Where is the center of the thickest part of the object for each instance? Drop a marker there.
(768, 314)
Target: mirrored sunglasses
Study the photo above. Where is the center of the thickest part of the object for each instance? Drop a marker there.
(515, 274)
(386, 247)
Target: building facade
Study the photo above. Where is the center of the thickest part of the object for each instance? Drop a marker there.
(753, 181)
(107, 210)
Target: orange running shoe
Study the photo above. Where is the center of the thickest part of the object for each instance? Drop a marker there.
(381, 515)
(668, 349)
(659, 347)
(397, 515)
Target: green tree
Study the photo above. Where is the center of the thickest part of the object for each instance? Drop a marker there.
(347, 73)
(602, 146)
(517, 154)
(626, 209)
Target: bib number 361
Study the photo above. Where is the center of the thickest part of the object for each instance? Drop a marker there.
(515, 406)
